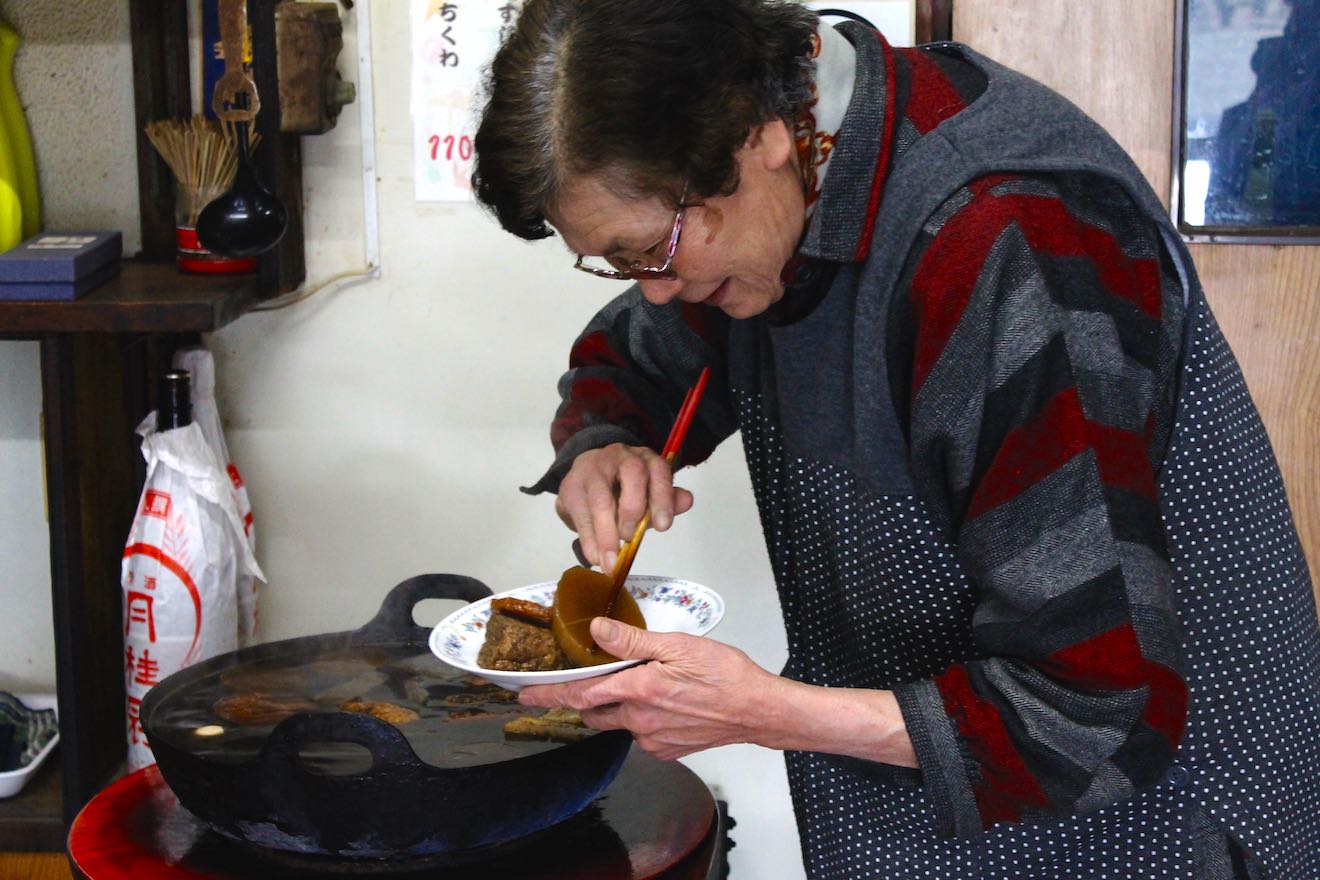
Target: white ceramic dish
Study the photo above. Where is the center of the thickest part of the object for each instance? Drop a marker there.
(668, 604)
(12, 782)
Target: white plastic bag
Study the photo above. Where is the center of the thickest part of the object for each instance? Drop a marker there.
(183, 558)
(201, 365)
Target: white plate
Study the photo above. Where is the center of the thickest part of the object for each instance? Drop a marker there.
(12, 781)
(667, 604)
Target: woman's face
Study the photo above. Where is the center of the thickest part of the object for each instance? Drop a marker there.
(732, 247)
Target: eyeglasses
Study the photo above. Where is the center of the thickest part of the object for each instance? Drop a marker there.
(629, 267)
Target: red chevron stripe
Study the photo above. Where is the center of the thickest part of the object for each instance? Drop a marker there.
(595, 401)
(594, 349)
(1050, 228)
(1121, 456)
(704, 321)
(950, 266)
(1113, 660)
(933, 98)
(1058, 432)
(946, 274)
(1006, 786)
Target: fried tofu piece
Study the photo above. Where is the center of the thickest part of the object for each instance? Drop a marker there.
(557, 725)
(259, 708)
(515, 645)
(390, 712)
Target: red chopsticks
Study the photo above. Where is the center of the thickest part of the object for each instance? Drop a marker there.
(684, 417)
(672, 445)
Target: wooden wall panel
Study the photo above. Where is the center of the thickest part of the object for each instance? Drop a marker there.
(1114, 58)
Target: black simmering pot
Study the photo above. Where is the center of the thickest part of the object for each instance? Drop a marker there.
(307, 778)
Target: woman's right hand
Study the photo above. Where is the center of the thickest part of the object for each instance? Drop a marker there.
(608, 491)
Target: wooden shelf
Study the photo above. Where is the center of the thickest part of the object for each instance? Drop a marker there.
(143, 298)
(33, 819)
(100, 358)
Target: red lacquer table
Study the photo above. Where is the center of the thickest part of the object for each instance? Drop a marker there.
(657, 820)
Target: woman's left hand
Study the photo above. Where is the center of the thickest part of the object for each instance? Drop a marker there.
(695, 694)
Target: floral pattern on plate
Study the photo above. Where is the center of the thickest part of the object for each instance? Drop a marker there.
(668, 604)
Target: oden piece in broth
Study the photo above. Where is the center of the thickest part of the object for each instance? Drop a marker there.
(555, 725)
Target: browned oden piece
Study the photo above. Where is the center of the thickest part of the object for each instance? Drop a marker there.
(258, 708)
(515, 645)
(467, 698)
(525, 609)
(557, 724)
(390, 712)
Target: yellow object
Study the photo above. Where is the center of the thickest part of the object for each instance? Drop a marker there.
(11, 207)
(22, 166)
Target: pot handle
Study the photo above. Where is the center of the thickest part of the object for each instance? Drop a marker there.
(387, 745)
(394, 621)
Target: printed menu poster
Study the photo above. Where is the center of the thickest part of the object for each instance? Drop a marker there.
(452, 44)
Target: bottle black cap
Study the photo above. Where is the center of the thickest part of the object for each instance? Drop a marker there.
(174, 406)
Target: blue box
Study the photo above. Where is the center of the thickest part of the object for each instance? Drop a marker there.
(60, 258)
(58, 290)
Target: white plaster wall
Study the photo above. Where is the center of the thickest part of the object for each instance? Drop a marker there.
(27, 650)
(74, 77)
(383, 428)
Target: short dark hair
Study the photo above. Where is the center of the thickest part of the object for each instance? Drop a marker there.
(652, 92)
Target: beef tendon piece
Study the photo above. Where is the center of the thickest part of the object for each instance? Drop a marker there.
(390, 712)
(523, 609)
(259, 708)
(514, 645)
(556, 725)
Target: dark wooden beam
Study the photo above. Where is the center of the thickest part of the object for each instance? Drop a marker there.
(162, 89)
(279, 158)
(934, 21)
(92, 488)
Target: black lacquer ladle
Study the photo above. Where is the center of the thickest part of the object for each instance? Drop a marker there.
(248, 219)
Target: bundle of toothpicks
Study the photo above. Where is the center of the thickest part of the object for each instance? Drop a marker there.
(203, 157)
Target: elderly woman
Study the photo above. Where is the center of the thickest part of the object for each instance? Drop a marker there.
(1047, 613)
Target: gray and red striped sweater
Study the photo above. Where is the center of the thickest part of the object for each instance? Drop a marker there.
(962, 444)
